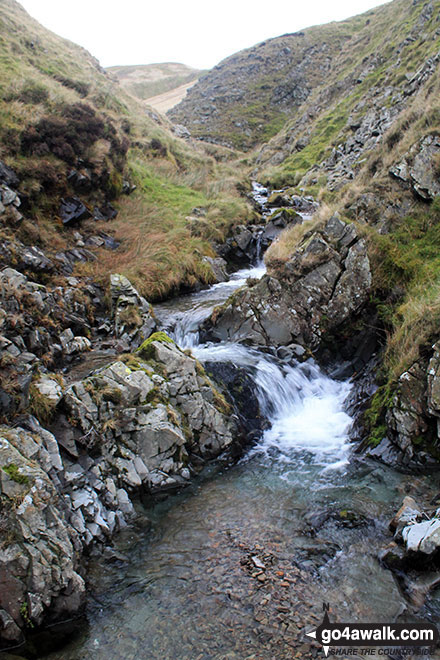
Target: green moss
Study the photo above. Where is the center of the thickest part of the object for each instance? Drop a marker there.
(13, 472)
(374, 416)
(146, 350)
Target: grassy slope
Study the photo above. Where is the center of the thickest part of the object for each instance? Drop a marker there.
(380, 36)
(146, 81)
(247, 89)
(43, 78)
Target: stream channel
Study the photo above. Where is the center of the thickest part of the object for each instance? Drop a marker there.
(239, 564)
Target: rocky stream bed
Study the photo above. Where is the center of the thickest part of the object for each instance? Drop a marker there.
(239, 562)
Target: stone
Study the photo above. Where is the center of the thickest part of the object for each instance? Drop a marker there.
(106, 212)
(423, 537)
(73, 210)
(325, 281)
(408, 513)
(418, 168)
(219, 268)
(181, 131)
(39, 565)
(49, 388)
(8, 176)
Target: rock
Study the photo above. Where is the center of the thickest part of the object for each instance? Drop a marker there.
(8, 176)
(219, 267)
(38, 562)
(81, 180)
(423, 537)
(324, 282)
(145, 420)
(73, 210)
(106, 212)
(419, 170)
(34, 259)
(407, 418)
(408, 513)
(393, 556)
(127, 187)
(49, 388)
(181, 131)
(132, 313)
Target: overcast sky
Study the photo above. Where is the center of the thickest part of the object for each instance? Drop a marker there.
(198, 33)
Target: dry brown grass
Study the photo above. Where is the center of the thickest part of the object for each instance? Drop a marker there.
(289, 240)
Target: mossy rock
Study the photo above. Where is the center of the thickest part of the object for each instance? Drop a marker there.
(14, 473)
(146, 349)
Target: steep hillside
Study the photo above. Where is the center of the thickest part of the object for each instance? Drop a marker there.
(67, 129)
(250, 96)
(149, 80)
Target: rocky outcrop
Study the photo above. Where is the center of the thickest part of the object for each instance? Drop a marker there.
(39, 326)
(134, 319)
(144, 424)
(38, 547)
(413, 419)
(420, 168)
(325, 281)
(147, 415)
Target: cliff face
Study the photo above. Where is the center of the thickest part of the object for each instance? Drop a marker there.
(250, 96)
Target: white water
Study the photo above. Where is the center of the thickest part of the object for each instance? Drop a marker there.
(304, 406)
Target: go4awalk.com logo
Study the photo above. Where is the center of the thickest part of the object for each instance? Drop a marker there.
(365, 636)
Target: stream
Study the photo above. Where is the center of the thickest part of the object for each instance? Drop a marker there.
(239, 565)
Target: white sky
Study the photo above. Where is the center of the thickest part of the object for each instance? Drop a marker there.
(198, 33)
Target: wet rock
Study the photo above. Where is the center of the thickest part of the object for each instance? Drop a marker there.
(325, 281)
(419, 168)
(239, 388)
(218, 266)
(393, 556)
(73, 210)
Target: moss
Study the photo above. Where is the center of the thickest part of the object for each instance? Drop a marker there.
(146, 349)
(13, 472)
(374, 416)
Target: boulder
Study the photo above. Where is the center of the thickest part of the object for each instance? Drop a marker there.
(423, 537)
(8, 176)
(219, 268)
(73, 210)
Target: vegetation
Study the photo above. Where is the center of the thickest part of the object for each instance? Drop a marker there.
(14, 473)
(60, 112)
